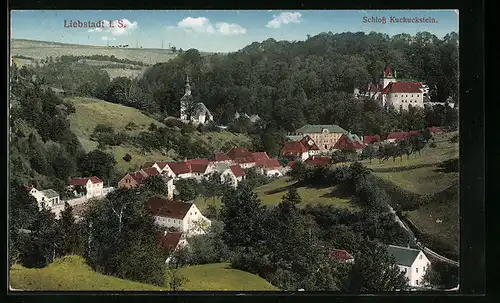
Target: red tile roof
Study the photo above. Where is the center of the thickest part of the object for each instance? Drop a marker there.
(161, 165)
(293, 148)
(341, 254)
(179, 168)
(413, 132)
(309, 143)
(259, 156)
(398, 136)
(168, 208)
(198, 161)
(83, 181)
(170, 240)
(237, 170)
(244, 160)
(345, 143)
(272, 163)
(402, 87)
(371, 139)
(239, 152)
(138, 177)
(218, 157)
(150, 171)
(198, 168)
(319, 160)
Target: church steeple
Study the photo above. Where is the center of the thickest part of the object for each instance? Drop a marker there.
(187, 86)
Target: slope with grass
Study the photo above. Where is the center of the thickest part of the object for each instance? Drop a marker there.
(270, 195)
(437, 220)
(70, 273)
(91, 112)
(220, 276)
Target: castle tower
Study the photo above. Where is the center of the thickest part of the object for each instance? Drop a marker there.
(387, 76)
(185, 100)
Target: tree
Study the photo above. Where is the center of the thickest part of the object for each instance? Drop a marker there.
(127, 157)
(43, 240)
(69, 237)
(368, 152)
(374, 270)
(156, 185)
(98, 163)
(242, 215)
(188, 189)
(441, 275)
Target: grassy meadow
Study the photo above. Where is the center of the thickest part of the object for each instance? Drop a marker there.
(270, 195)
(70, 273)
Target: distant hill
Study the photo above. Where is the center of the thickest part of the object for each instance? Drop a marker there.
(70, 273)
(43, 49)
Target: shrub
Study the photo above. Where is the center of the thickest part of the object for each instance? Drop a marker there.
(432, 145)
(127, 157)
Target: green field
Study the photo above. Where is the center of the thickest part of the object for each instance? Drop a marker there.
(91, 112)
(43, 49)
(71, 273)
(309, 195)
(220, 276)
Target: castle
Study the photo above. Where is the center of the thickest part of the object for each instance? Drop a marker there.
(396, 94)
(196, 113)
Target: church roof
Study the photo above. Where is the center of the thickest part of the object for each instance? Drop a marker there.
(403, 87)
(388, 71)
(201, 109)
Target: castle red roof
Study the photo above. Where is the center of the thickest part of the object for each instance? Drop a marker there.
(293, 148)
(402, 87)
(239, 152)
(341, 254)
(162, 207)
(170, 240)
(218, 157)
(179, 168)
(237, 171)
(388, 71)
(83, 181)
(319, 160)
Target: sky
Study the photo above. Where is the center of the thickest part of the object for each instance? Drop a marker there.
(217, 30)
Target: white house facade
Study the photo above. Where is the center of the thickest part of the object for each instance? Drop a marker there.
(94, 187)
(45, 198)
(412, 262)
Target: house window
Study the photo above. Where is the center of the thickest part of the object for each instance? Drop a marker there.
(416, 269)
(195, 213)
(168, 220)
(395, 95)
(420, 257)
(412, 95)
(405, 271)
(406, 96)
(416, 282)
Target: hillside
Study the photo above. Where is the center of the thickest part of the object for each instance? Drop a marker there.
(71, 273)
(438, 219)
(91, 112)
(43, 49)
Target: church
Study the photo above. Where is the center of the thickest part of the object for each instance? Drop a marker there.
(196, 113)
(397, 94)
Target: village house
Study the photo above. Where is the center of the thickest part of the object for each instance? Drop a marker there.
(181, 170)
(86, 187)
(161, 167)
(349, 142)
(184, 216)
(222, 158)
(300, 150)
(342, 256)
(371, 139)
(200, 168)
(412, 262)
(325, 136)
(272, 168)
(231, 174)
(133, 179)
(242, 156)
(45, 198)
(171, 242)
